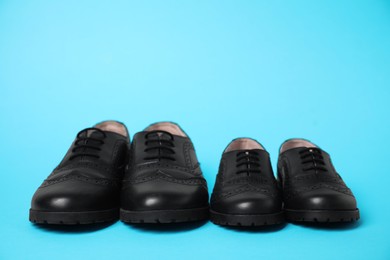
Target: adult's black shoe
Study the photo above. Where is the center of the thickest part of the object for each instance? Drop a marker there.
(85, 187)
(164, 182)
(312, 189)
(246, 192)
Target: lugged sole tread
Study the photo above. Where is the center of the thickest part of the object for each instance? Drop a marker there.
(322, 216)
(247, 220)
(73, 218)
(164, 216)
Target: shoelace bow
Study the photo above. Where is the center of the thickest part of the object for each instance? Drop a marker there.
(87, 140)
(250, 159)
(163, 147)
(312, 159)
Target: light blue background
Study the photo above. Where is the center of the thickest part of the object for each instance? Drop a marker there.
(270, 70)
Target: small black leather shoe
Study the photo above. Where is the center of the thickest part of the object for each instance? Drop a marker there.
(312, 189)
(246, 192)
(85, 187)
(164, 182)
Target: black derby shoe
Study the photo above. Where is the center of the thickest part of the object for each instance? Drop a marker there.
(312, 189)
(246, 192)
(164, 182)
(85, 187)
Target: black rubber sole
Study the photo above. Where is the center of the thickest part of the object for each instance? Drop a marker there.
(322, 216)
(73, 218)
(164, 216)
(246, 220)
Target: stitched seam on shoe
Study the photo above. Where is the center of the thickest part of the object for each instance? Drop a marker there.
(289, 194)
(98, 181)
(187, 156)
(189, 181)
(164, 166)
(84, 165)
(240, 190)
(317, 177)
(246, 180)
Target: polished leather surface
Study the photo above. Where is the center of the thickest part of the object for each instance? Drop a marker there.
(252, 193)
(154, 183)
(86, 183)
(312, 184)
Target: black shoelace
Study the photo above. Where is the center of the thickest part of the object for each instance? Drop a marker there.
(88, 143)
(160, 144)
(312, 159)
(249, 159)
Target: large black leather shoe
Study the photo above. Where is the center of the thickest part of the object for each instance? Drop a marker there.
(164, 182)
(312, 189)
(246, 192)
(85, 187)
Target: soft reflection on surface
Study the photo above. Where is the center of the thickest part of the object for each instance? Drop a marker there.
(60, 202)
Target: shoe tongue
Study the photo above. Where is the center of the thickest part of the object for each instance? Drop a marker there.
(162, 135)
(92, 133)
(96, 134)
(87, 139)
